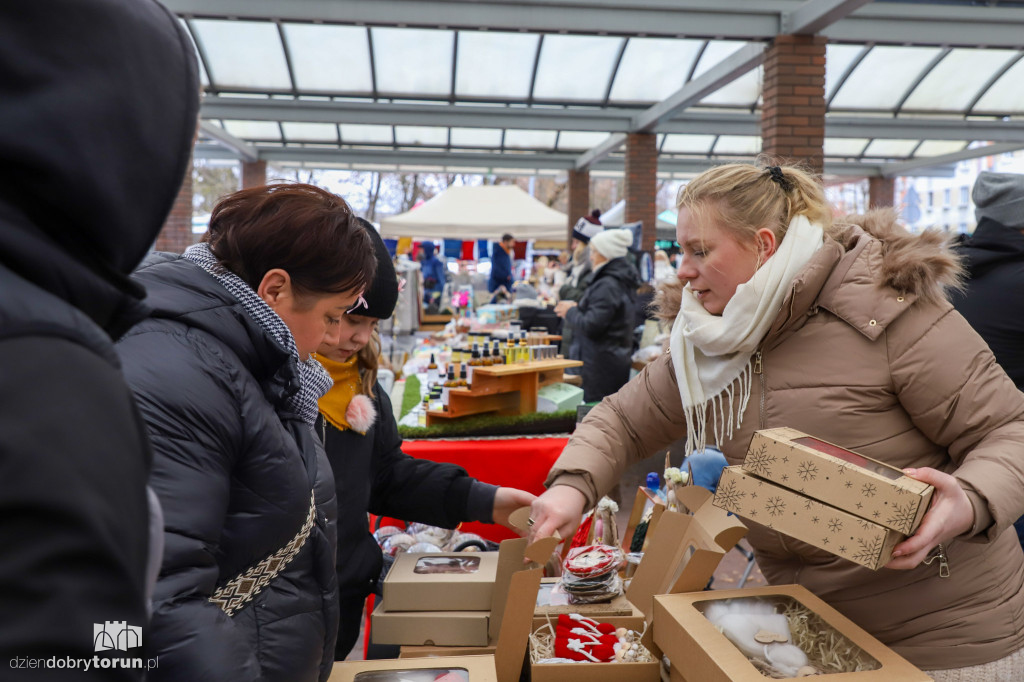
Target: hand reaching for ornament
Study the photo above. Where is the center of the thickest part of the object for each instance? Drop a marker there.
(506, 501)
(559, 510)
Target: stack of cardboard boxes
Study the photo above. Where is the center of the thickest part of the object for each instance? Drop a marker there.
(835, 499)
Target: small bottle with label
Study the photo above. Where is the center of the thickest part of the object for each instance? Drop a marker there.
(463, 378)
(432, 375)
(496, 354)
(449, 383)
(421, 414)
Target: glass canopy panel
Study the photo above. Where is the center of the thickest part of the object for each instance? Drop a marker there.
(493, 64)
(940, 147)
(310, 132)
(844, 146)
(203, 78)
(361, 133)
(653, 68)
(688, 144)
(882, 77)
(955, 81)
(742, 92)
(413, 61)
(432, 136)
(243, 54)
(715, 52)
(476, 137)
(530, 139)
(329, 58)
(1006, 95)
(891, 149)
(837, 60)
(738, 144)
(253, 130)
(575, 67)
(575, 140)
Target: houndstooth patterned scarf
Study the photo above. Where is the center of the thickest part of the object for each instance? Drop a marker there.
(314, 379)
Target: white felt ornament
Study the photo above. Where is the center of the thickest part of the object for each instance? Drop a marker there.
(759, 632)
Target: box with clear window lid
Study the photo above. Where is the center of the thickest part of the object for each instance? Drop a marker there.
(451, 581)
(775, 632)
(869, 489)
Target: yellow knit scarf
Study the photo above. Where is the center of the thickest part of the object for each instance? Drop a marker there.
(347, 384)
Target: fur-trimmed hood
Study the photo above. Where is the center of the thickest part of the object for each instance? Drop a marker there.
(919, 265)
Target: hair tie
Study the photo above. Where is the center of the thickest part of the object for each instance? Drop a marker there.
(776, 174)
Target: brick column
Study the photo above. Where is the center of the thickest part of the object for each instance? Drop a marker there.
(881, 192)
(579, 197)
(176, 234)
(254, 174)
(793, 114)
(642, 184)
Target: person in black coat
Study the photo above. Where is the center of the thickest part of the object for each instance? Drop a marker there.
(223, 373)
(79, 208)
(602, 322)
(371, 473)
(993, 298)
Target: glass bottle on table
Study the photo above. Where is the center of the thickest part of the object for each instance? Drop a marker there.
(496, 354)
(432, 375)
(524, 349)
(485, 356)
(463, 378)
(474, 362)
(449, 383)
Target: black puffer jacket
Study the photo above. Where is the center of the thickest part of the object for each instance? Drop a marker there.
(233, 468)
(993, 301)
(602, 325)
(372, 473)
(88, 172)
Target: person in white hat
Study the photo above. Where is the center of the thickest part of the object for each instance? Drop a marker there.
(604, 318)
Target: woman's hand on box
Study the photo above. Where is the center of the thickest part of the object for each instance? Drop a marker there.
(949, 515)
(559, 510)
(506, 501)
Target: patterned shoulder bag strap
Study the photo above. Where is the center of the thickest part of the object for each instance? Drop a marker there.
(240, 590)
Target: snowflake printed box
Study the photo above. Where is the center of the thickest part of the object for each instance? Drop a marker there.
(805, 519)
(865, 487)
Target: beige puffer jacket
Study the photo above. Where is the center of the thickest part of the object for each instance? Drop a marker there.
(867, 353)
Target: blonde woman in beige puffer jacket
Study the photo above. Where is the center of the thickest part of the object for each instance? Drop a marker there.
(859, 347)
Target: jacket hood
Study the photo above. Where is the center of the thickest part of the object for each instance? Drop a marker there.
(991, 244)
(621, 269)
(99, 103)
(920, 265)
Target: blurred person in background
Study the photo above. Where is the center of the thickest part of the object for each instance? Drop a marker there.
(95, 142)
(434, 276)
(501, 277)
(603, 320)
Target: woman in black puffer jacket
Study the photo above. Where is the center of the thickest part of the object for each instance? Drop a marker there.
(222, 373)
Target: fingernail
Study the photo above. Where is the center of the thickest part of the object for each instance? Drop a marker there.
(897, 554)
(910, 472)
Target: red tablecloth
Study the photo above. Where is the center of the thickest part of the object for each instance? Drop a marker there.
(515, 462)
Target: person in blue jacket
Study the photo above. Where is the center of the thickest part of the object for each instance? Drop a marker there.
(433, 274)
(501, 265)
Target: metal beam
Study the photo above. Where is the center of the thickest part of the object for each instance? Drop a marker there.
(908, 23)
(612, 120)
(814, 15)
(242, 150)
(909, 167)
(357, 159)
(595, 154)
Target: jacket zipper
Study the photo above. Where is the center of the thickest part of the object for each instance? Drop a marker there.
(759, 371)
(938, 553)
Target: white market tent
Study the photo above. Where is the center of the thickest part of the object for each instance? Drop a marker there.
(616, 216)
(484, 212)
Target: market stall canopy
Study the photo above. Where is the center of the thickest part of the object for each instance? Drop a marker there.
(664, 230)
(487, 211)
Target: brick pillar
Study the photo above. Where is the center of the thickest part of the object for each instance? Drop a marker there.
(579, 197)
(881, 192)
(176, 234)
(254, 174)
(793, 114)
(642, 184)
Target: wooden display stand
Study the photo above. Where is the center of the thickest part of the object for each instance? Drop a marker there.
(505, 389)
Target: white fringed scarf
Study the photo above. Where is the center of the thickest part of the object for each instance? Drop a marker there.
(711, 353)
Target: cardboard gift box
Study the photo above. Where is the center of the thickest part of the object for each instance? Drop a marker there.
(805, 519)
(456, 581)
(864, 487)
(700, 653)
(682, 554)
(449, 669)
(433, 628)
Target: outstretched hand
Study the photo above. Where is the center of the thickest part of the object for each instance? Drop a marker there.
(949, 515)
(506, 501)
(559, 509)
